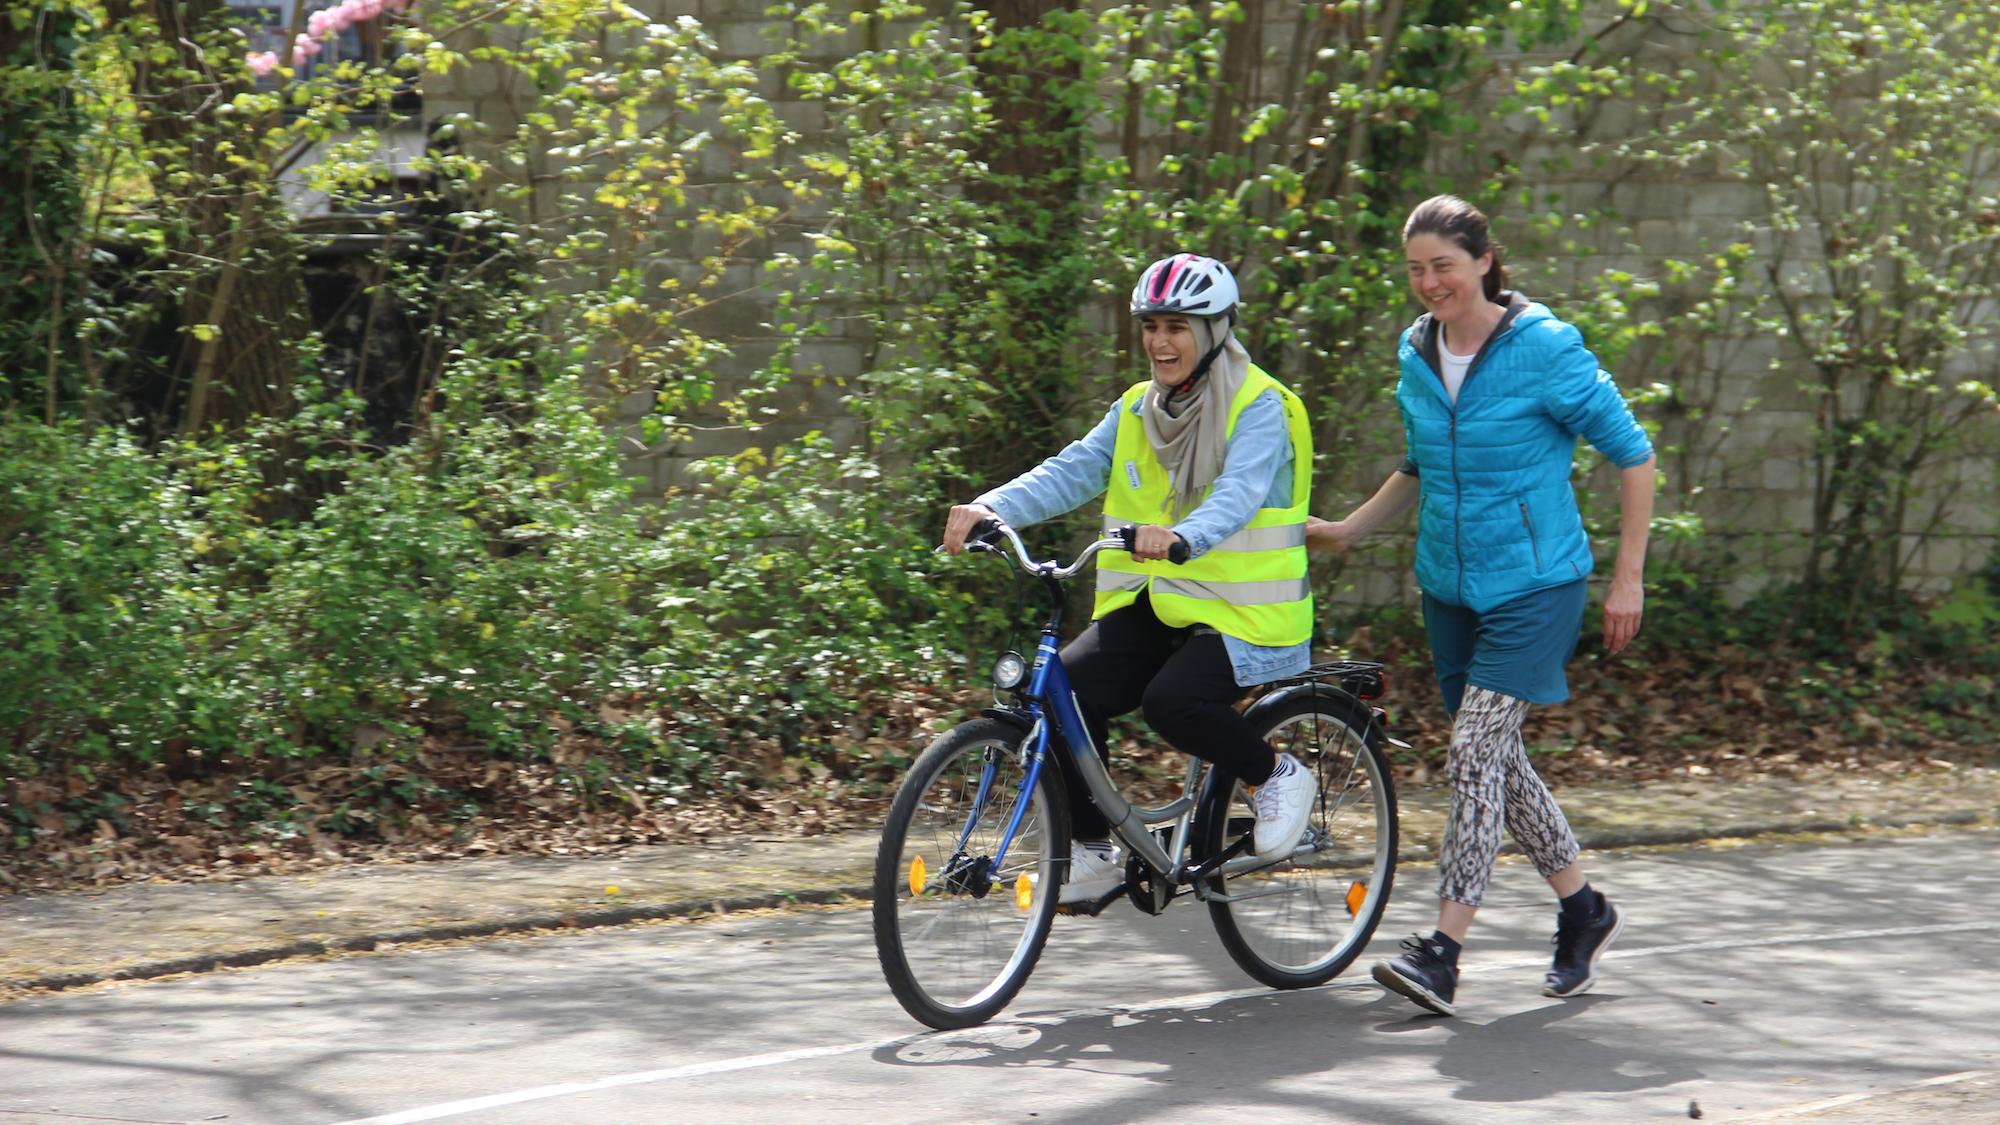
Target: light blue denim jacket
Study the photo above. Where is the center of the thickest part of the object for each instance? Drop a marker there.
(1256, 472)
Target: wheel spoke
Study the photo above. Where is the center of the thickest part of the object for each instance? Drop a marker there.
(957, 953)
(1309, 935)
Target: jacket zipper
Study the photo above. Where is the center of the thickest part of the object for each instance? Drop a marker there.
(1534, 547)
(1451, 433)
(1458, 507)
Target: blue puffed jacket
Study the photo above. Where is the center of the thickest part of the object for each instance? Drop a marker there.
(1497, 516)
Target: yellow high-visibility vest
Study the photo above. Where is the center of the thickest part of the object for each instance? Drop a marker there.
(1251, 585)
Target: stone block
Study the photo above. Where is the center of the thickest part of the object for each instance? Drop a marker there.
(743, 38)
(1613, 120)
(731, 314)
(1709, 236)
(1977, 509)
(1745, 357)
(1558, 273)
(636, 405)
(1651, 199)
(1785, 396)
(830, 357)
(808, 117)
(1663, 238)
(1941, 556)
(1783, 556)
(844, 43)
(1733, 391)
(1782, 474)
(717, 11)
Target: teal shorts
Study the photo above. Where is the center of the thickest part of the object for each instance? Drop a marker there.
(1518, 649)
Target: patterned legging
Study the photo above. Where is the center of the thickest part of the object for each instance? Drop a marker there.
(1493, 786)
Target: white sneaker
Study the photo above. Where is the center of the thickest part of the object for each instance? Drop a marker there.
(1095, 869)
(1283, 805)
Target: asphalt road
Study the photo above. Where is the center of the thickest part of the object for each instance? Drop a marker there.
(1858, 981)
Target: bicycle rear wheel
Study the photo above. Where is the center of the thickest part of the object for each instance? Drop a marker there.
(1299, 922)
(957, 933)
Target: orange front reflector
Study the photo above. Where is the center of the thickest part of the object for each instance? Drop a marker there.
(1356, 895)
(917, 877)
(1024, 892)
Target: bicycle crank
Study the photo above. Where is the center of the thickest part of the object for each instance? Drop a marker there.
(1144, 886)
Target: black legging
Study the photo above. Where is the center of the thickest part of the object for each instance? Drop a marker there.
(1129, 659)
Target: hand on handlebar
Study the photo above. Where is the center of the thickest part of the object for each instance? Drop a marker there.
(961, 521)
(1151, 543)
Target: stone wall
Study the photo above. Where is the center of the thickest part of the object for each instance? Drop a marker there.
(1752, 488)
(1752, 483)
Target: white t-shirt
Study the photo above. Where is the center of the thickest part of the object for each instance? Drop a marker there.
(1455, 367)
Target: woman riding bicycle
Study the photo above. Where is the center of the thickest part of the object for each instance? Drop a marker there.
(1212, 453)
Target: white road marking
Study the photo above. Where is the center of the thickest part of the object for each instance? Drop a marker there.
(1191, 1002)
(694, 1070)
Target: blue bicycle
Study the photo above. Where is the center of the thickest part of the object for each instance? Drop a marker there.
(977, 842)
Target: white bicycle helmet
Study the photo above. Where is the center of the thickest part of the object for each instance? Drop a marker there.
(1188, 284)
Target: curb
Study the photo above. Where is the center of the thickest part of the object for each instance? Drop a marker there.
(686, 908)
(1604, 839)
(362, 943)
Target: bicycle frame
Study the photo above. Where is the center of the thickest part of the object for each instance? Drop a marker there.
(1049, 693)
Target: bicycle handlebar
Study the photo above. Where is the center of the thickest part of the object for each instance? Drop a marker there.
(983, 532)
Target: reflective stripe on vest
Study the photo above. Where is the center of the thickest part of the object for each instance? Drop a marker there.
(1251, 585)
(1249, 539)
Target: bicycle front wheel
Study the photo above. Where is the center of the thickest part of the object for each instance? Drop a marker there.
(1299, 922)
(958, 925)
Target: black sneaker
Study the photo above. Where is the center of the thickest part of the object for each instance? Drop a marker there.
(1577, 949)
(1421, 974)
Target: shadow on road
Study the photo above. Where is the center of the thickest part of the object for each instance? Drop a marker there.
(1240, 1050)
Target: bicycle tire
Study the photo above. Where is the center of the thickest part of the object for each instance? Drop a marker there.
(1303, 929)
(954, 951)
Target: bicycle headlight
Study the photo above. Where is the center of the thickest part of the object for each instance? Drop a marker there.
(1010, 671)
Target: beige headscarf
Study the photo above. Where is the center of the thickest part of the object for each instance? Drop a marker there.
(1192, 439)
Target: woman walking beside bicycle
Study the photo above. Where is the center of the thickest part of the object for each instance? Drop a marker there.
(1213, 457)
(1494, 392)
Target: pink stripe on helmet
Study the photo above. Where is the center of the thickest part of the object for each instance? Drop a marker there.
(1166, 276)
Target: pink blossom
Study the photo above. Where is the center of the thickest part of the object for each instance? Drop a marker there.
(325, 24)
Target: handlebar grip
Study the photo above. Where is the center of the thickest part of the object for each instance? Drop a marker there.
(985, 531)
(1176, 554)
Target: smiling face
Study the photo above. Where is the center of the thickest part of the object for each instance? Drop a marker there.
(1170, 344)
(1449, 281)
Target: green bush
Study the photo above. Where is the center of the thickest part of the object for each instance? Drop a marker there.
(99, 594)
(490, 585)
